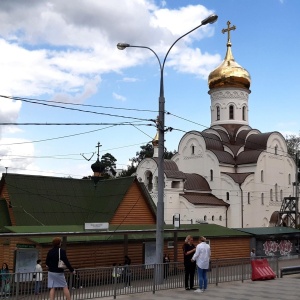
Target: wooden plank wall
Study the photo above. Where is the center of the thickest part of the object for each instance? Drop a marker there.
(134, 209)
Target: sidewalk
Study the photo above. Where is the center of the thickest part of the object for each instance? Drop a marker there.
(286, 288)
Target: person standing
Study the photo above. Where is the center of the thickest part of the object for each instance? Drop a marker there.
(189, 266)
(5, 280)
(166, 261)
(127, 272)
(202, 257)
(56, 276)
(38, 277)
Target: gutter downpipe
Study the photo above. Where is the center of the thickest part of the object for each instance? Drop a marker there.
(242, 206)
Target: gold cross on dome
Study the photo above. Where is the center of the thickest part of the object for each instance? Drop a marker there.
(228, 29)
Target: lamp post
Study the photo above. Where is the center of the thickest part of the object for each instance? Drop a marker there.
(161, 127)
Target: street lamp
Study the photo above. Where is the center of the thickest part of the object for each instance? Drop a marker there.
(161, 127)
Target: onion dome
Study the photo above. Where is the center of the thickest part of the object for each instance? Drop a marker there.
(97, 167)
(229, 73)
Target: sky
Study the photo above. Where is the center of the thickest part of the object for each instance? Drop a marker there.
(59, 64)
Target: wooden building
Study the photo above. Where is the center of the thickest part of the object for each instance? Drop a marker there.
(40, 204)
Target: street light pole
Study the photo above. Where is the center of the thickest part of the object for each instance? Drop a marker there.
(161, 140)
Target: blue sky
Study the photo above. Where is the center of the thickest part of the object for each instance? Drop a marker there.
(66, 52)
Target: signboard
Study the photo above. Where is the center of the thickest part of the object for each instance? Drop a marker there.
(176, 220)
(96, 226)
(25, 263)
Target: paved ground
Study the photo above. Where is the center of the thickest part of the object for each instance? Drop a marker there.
(286, 288)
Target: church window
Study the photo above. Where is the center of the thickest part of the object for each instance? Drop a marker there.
(231, 115)
(276, 149)
(249, 198)
(205, 218)
(192, 149)
(262, 175)
(227, 196)
(271, 194)
(244, 113)
(220, 218)
(276, 192)
(218, 113)
(213, 218)
(211, 175)
(175, 184)
(289, 178)
(281, 195)
(262, 199)
(148, 181)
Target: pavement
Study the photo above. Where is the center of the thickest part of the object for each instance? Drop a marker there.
(286, 288)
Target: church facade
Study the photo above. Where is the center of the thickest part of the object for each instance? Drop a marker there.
(229, 174)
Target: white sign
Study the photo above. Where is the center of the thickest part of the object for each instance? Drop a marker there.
(176, 220)
(96, 226)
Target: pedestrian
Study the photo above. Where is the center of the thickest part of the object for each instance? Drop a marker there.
(166, 261)
(5, 280)
(56, 276)
(127, 271)
(189, 266)
(38, 277)
(202, 257)
(252, 253)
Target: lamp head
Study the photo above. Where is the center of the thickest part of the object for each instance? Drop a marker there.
(211, 19)
(122, 46)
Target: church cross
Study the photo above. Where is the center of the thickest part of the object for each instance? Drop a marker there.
(98, 146)
(228, 29)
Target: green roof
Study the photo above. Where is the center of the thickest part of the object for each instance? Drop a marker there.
(4, 215)
(42, 200)
(269, 230)
(207, 230)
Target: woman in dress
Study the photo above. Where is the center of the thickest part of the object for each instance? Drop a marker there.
(56, 276)
(5, 280)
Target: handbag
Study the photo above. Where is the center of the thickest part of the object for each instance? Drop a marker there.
(61, 264)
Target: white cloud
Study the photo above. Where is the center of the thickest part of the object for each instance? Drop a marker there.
(119, 97)
(130, 79)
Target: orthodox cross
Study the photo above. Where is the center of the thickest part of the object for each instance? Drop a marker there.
(98, 146)
(228, 29)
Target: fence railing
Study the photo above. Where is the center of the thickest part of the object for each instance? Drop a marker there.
(119, 280)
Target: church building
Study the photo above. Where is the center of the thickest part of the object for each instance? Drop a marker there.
(229, 174)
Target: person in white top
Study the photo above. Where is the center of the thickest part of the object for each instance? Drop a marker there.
(202, 257)
(38, 275)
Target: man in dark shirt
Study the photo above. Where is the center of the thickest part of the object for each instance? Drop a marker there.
(189, 266)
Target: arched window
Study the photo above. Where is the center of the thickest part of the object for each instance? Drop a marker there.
(211, 175)
(231, 112)
(213, 218)
(262, 175)
(244, 113)
(289, 178)
(218, 113)
(276, 149)
(276, 192)
(220, 218)
(227, 196)
(271, 194)
(192, 149)
(205, 218)
(262, 199)
(248, 197)
(148, 180)
(281, 195)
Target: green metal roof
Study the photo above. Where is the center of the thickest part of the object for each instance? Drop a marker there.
(207, 230)
(42, 200)
(269, 230)
(4, 215)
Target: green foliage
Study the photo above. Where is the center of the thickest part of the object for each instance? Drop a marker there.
(293, 144)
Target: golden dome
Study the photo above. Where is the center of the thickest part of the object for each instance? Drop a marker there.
(229, 73)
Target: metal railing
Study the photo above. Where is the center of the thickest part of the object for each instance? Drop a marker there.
(119, 280)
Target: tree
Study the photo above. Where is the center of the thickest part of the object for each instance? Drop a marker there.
(145, 152)
(293, 144)
(109, 163)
